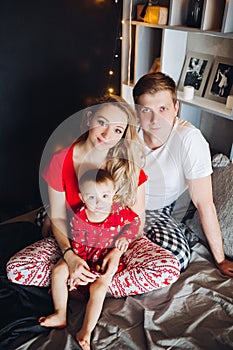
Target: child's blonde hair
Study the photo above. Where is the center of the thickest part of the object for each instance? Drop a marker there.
(99, 176)
(126, 158)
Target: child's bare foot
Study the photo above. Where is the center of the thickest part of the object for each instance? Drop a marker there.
(55, 320)
(84, 340)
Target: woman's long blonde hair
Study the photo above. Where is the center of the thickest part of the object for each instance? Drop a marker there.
(126, 158)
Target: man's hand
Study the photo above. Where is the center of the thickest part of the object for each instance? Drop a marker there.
(226, 267)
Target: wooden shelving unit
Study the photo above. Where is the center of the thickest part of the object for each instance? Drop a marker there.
(143, 42)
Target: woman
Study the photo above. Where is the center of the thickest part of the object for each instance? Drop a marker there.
(177, 158)
(109, 141)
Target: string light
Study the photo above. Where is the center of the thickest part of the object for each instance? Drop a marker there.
(130, 40)
(113, 83)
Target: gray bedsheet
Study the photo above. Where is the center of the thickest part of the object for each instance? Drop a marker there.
(196, 312)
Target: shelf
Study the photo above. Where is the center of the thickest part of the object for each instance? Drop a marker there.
(145, 24)
(144, 42)
(201, 103)
(208, 106)
(201, 31)
(183, 28)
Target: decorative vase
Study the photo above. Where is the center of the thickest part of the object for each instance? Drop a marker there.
(194, 13)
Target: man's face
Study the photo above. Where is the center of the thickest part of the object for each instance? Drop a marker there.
(157, 113)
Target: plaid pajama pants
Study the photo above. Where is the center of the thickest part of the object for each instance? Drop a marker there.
(148, 267)
(162, 229)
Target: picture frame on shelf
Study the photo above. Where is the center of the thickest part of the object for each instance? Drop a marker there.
(220, 84)
(196, 71)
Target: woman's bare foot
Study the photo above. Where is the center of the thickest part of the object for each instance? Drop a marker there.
(84, 340)
(55, 320)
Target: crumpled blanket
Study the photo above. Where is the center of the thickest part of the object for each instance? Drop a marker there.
(196, 312)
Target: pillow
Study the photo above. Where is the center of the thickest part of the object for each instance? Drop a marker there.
(222, 179)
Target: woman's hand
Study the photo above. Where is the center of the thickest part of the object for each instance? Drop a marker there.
(226, 267)
(79, 270)
(111, 261)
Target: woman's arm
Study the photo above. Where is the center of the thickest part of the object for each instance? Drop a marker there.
(58, 217)
(202, 197)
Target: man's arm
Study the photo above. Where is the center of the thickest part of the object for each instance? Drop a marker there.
(202, 197)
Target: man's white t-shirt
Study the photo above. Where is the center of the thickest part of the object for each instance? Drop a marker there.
(185, 155)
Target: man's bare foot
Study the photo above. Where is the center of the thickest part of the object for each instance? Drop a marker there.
(55, 320)
(84, 340)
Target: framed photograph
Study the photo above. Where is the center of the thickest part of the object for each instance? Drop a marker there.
(196, 71)
(220, 84)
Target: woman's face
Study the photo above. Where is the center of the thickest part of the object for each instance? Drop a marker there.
(157, 113)
(107, 126)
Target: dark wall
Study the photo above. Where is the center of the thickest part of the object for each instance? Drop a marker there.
(54, 56)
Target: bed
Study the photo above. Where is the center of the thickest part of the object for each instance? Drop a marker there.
(196, 312)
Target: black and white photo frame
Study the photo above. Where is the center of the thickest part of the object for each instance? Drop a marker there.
(196, 71)
(220, 84)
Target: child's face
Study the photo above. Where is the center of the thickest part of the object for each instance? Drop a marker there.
(98, 197)
(157, 115)
(107, 127)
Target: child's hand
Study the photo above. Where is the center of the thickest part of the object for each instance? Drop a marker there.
(122, 244)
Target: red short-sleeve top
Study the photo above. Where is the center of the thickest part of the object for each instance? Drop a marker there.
(60, 174)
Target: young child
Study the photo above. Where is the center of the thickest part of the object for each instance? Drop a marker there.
(100, 225)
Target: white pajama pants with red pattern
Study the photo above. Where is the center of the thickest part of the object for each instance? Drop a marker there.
(148, 267)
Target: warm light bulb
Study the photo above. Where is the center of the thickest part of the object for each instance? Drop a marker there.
(110, 72)
(111, 90)
(116, 55)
